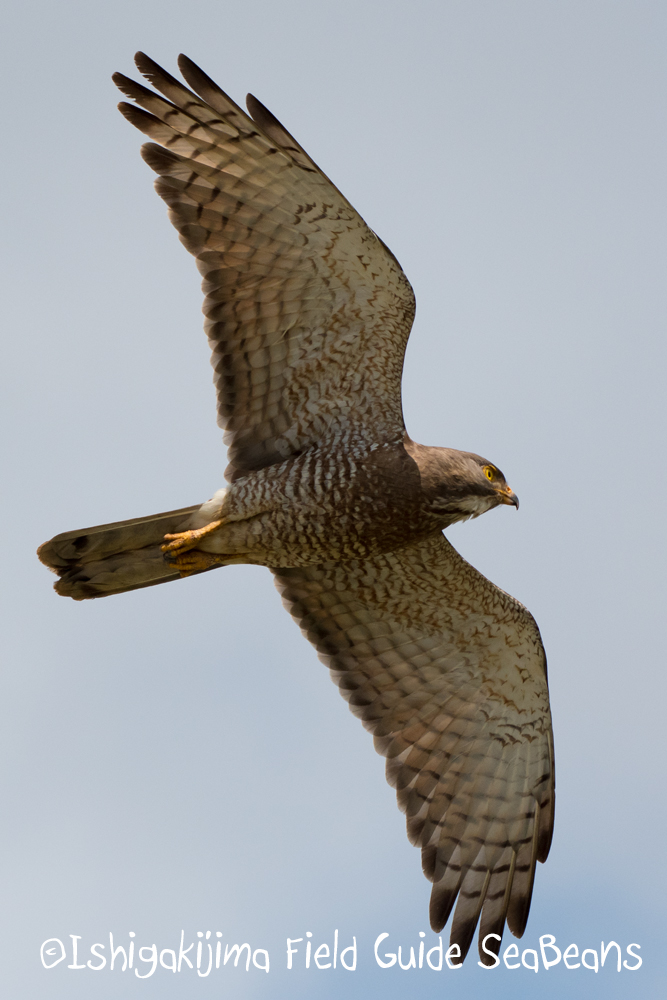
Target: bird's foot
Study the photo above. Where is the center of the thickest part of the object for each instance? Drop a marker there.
(184, 540)
(194, 561)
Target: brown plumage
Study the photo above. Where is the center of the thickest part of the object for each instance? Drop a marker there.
(308, 314)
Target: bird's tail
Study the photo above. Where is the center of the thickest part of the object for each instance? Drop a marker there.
(114, 558)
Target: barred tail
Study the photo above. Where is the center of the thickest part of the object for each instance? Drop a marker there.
(114, 558)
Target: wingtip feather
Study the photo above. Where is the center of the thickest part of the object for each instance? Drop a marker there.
(195, 76)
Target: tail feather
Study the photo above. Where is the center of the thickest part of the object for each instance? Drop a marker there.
(114, 558)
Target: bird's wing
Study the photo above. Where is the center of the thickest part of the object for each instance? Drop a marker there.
(449, 674)
(308, 313)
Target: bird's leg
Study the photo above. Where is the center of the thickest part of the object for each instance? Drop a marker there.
(184, 540)
(188, 563)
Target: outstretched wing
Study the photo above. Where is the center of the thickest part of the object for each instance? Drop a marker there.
(307, 312)
(448, 672)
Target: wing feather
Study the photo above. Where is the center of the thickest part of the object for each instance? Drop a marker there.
(448, 672)
(307, 312)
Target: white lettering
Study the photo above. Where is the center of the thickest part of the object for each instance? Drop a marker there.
(493, 954)
(75, 938)
(117, 952)
(322, 953)
(549, 941)
(229, 951)
(200, 946)
(260, 951)
(438, 948)
(511, 951)
(52, 951)
(412, 964)
(605, 951)
(632, 968)
(168, 951)
(530, 951)
(95, 954)
(353, 949)
(183, 953)
(210, 961)
(589, 951)
(571, 952)
(152, 957)
(291, 951)
(453, 951)
(389, 955)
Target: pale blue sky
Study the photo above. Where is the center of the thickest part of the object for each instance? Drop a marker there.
(177, 757)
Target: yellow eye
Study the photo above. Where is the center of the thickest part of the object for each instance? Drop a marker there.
(488, 472)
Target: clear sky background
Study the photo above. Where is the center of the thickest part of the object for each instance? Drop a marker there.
(178, 757)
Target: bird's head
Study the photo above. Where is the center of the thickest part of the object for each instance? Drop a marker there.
(458, 484)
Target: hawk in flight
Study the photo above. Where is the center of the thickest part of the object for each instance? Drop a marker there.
(308, 314)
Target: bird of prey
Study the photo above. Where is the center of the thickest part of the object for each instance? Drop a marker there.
(308, 314)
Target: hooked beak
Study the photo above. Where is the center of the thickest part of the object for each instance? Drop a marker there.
(509, 497)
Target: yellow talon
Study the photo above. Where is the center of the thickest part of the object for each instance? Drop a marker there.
(194, 562)
(184, 540)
